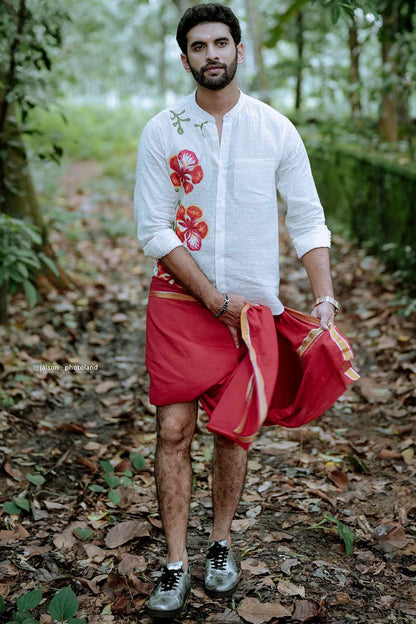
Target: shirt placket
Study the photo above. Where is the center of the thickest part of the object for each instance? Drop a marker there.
(220, 205)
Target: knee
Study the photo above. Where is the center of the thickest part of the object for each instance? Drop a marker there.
(174, 432)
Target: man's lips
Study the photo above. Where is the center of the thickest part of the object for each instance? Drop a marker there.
(212, 67)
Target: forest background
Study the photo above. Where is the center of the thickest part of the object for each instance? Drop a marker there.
(78, 81)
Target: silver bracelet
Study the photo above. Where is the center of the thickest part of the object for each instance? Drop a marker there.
(224, 306)
(329, 300)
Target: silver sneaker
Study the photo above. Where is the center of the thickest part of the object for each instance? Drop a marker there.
(221, 570)
(171, 592)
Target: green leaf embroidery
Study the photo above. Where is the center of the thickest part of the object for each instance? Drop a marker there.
(200, 126)
(177, 120)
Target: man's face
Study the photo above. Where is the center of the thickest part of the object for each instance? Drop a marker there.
(212, 56)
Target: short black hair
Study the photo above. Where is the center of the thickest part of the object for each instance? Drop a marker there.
(203, 13)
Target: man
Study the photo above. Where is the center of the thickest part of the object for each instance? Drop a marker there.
(205, 203)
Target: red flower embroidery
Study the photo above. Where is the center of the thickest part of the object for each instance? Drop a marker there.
(164, 275)
(189, 228)
(186, 170)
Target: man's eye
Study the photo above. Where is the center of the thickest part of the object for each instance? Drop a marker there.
(222, 44)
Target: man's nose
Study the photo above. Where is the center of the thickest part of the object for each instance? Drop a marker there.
(212, 52)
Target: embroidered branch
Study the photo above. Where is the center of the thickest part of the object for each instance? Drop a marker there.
(177, 121)
(200, 127)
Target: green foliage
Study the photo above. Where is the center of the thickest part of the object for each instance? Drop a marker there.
(30, 600)
(20, 262)
(62, 607)
(370, 199)
(112, 481)
(345, 533)
(16, 506)
(346, 8)
(91, 132)
(36, 479)
(85, 533)
(138, 460)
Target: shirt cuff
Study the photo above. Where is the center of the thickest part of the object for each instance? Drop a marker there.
(319, 237)
(161, 244)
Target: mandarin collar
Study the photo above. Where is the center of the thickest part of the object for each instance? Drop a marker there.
(207, 117)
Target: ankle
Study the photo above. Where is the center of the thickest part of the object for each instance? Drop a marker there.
(177, 556)
(218, 536)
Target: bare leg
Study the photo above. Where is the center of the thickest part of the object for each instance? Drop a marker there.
(229, 465)
(173, 473)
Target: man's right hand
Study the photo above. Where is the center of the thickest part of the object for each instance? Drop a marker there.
(232, 317)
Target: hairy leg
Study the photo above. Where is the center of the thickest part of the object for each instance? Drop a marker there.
(173, 474)
(229, 465)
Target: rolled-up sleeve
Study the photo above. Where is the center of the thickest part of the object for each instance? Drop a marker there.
(155, 199)
(305, 219)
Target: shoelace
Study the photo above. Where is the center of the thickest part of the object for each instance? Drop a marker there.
(169, 579)
(219, 555)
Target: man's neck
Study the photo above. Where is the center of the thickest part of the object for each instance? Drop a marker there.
(218, 103)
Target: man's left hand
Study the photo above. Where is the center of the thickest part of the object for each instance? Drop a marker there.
(325, 312)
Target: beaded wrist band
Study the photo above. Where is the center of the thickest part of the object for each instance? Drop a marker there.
(330, 300)
(224, 307)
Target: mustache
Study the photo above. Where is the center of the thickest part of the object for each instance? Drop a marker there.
(208, 65)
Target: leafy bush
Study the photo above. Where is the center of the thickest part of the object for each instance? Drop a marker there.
(20, 262)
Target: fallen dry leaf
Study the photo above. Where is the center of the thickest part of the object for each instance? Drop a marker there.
(256, 612)
(254, 567)
(124, 532)
(342, 598)
(390, 536)
(405, 607)
(105, 386)
(227, 617)
(306, 610)
(339, 478)
(286, 588)
(277, 536)
(131, 564)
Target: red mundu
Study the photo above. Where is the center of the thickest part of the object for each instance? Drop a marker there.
(289, 371)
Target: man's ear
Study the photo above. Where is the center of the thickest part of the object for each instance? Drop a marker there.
(185, 63)
(240, 53)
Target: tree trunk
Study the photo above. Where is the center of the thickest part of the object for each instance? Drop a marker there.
(17, 193)
(262, 83)
(4, 295)
(300, 44)
(18, 198)
(354, 73)
(389, 114)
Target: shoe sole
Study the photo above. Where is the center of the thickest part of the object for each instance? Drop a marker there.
(212, 593)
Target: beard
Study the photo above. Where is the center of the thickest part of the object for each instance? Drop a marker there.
(215, 83)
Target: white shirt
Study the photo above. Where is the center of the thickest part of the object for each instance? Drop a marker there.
(219, 199)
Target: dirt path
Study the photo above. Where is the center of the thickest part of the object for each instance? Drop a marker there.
(355, 464)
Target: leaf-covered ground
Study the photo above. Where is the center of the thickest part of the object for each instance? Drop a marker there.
(77, 449)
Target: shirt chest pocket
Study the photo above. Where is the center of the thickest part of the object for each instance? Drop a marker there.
(254, 179)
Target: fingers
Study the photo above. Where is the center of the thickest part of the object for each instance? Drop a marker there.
(325, 313)
(235, 336)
